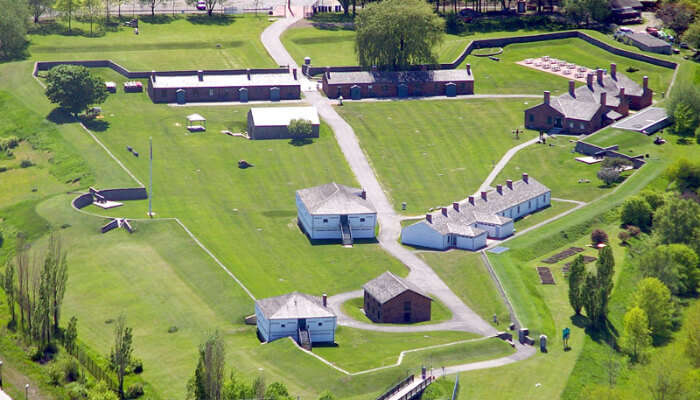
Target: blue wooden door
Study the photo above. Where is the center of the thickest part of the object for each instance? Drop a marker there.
(403, 90)
(243, 95)
(180, 96)
(451, 90)
(355, 92)
(275, 94)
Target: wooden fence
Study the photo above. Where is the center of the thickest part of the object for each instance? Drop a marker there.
(93, 368)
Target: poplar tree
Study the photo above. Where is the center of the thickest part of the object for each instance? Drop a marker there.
(121, 352)
(605, 266)
(69, 7)
(9, 288)
(577, 274)
(636, 336)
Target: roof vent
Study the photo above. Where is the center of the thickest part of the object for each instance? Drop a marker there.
(525, 177)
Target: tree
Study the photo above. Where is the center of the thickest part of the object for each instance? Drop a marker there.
(121, 352)
(74, 88)
(692, 35)
(654, 199)
(676, 15)
(259, 388)
(300, 128)
(208, 378)
(153, 3)
(394, 34)
(636, 335)
(592, 299)
(210, 4)
(101, 392)
(676, 265)
(577, 274)
(685, 173)
(68, 7)
(92, 10)
(654, 298)
(690, 337)
(346, 6)
(277, 391)
(678, 221)
(605, 270)
(587, 11)
(326, 395)
(13, 28)
(685, 120)
(71, 335)
(236, 389)
(636, 211)
(608, 175)
(38, 8)
(687, 95)
(9, 288)
(599, 236)
(57, 275)
(664, 377)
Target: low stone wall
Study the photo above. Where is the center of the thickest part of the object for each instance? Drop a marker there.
(124, 194)
(82, 201)
(113, 224)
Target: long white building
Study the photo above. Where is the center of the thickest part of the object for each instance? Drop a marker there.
(334, 211)
(294, 313)
(467, 224)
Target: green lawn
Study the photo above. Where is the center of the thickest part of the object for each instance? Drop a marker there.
(438, 312)
(179, 44)
(556, 208)
(428, 153)
(467, 276)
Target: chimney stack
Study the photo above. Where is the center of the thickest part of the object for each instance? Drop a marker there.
(429, 218)
(645, 83)
(546, 97)
(444, 211)
(599, 75)
(469, 69)
(499, 189)
(247, 71)
(294, 73)
(603, 98)
(153, 75)
(455, 205)
(622, 93)
(525, 177)
(363, 194)
(471, 200)
(483, 195)
(328, 72)
(613, 70)
(325, 300)
(589, 80)
(200, 75)
(572, 88)
(509, 183)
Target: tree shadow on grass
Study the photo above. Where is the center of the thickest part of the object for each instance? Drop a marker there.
(95, 125)
(344, 26)
(158, 19)
(299, 142)
(216, 19)
(606, 334)
(60, 116)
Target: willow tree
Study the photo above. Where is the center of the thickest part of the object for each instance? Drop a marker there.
(394, 34)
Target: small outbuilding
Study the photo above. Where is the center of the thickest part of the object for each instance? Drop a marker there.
(196, 123)
(646, 42)
(305, 318)
(273, 122)
(391, 299)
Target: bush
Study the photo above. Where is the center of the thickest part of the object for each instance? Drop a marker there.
(71, 370)
(136, 366)
(608, 175)
(633, 231)
(7, 143)
(76, 391)
(55, 374)
(26, 164)
(134, 391)
(300, 128)
(599, 236)
(3, 168)
(624, 236)
(636, 211)
(454, 24)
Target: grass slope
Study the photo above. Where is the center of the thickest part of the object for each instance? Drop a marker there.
(434, 152)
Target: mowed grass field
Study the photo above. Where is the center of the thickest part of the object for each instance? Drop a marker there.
(181, 43)
(430, 153)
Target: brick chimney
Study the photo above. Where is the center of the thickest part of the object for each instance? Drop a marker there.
(294, 73)
(546, 97)
(603, 99)
(471, 200)
(599, 76)
(645, 83)
(200, 75)
(572, 88)
(429, 218)
(444, 211)
(499, 189)
(509, 183)
(328, 72)
(363, 194)
(325, 300)
(153, 75)
(525, 177)
(469, 69)
(622, 93)
(483, 196)
(589, 79)
(455, 205)
(247, 71)
(613, 70)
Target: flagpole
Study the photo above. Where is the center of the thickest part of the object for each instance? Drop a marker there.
(150, 177)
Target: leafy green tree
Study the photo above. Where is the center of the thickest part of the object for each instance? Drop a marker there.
(236, 388)
(277, 391)
(692, 35)
(394, 34)
(9, 288)
(101, 392)
(207, 382)
(121, 352)
(654, 199)
(676, 15)
(685, 120)
(300, 128)
(57, 276)
(74, 88)
(685, 173)
(38, 8)
(665, 378)
(259, 388)
(92, 9)
(68, 7)
(687, 96)
(690, 337)
(678, 221)
(676, 265)
(608, 175)
(13, 28)
(654, 298)
(636, 336)
(587, 11)
(326, 395)
(636, 211)
(592, 299)
(70, 337)
(605, 267)
(577, 275)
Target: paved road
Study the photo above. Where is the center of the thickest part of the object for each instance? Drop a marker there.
(502, 163)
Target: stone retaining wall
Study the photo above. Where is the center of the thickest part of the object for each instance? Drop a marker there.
(593, 150)
(82, 201)
(123, 194)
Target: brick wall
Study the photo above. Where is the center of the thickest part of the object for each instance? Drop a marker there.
(393, 311)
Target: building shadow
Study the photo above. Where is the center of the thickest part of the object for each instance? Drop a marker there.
(215, 19)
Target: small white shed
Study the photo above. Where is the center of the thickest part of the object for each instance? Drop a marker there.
(272, 122)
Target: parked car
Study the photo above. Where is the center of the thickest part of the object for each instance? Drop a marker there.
(201, 5)
(652, 31)
(624, 29)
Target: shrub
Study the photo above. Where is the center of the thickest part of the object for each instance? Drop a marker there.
(172, 329)
(633, 231)
(71, 370)
(134, 391)
(608, 175)
(636, 211)
(599, 236)
(55, 374)
(454, 24)
(35, 354)
(136, 366)
(3, 168)
(76, 391)
(624, 236)
(7, 143)
(300, 128)
(26, 164)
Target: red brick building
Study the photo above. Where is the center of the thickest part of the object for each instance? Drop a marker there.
(604, 99)
(364, 84)
(390, 299)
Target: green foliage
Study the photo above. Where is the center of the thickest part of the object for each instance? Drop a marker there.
(134, 391)
(592, 299)
(9, 288)
(636, 336)
(55, 374)
(587, 11)
(300, 128)
(259, 386)
(684, 107)
(577, 275)
(120, 357)
(208, 378)
(9, 142)
(692, 35)
(654, 298)
(599, 236)
(608, 175)
(654, 199)
(690, 337)
(394, 34)
(101, 392)
(636, 211)
(13, 28)
(69, 8)
(74, 88)
(70, 369)
(605, 270)
(685, 173)
(678, 221)
(237, 389)
(277, 391)
(38, 8)
(685, 120)
(675, 265)
(26, 163)
(71, 334)
(326, 395)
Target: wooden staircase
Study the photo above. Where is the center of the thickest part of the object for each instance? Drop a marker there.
(346, 233)
(304, 339)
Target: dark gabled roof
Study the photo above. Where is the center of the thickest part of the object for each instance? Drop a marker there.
(497, 202)
(574, 108)
(294, 305)
(646, 39)
(396, 77)
(387, 286)
(333, 198)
